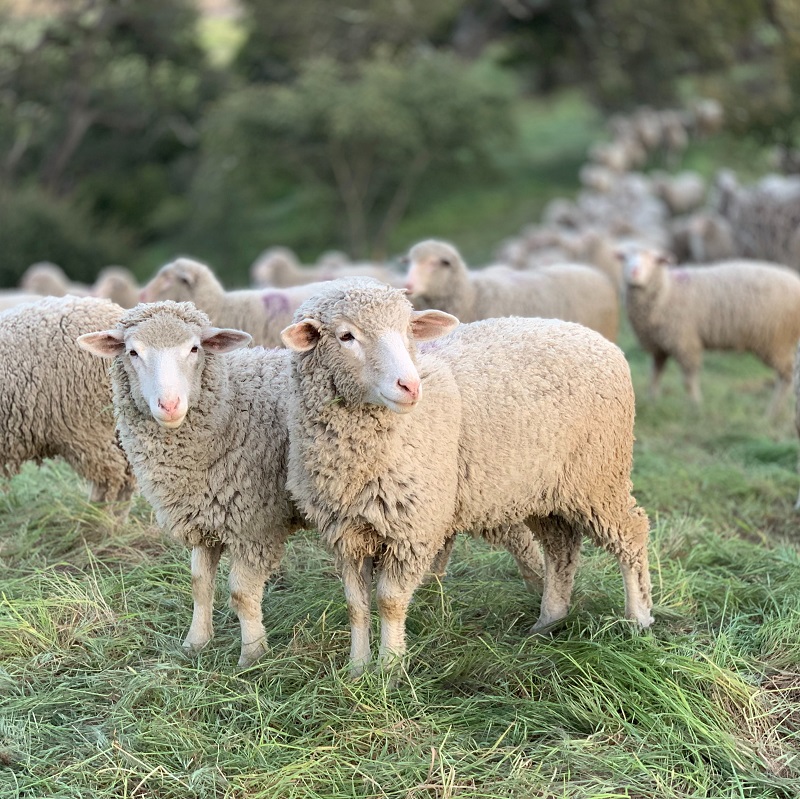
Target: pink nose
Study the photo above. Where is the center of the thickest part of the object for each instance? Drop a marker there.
(410, 388)
(169, 406)
(143, 295)
(409, 288)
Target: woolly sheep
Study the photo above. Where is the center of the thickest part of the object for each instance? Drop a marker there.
(749, 306)
(206, 434)
(439, 278)
(55, 400)
(505, 422)
(118, 285)
(50, 280)
(11, 298)
(682, 193)
(261, 313)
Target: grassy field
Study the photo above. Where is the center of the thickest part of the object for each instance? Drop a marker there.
(97, 700)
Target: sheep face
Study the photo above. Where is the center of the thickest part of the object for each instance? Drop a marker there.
(641, 266)
(163, 357)
(365, 339)
(433, 267)
(178, 281)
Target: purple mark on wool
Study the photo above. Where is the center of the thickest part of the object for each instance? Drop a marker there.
(275, 303)
(681, 275)
(429, 346)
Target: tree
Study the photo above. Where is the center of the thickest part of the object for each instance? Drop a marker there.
(363, 137)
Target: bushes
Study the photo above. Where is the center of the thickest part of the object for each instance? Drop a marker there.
(36, 227)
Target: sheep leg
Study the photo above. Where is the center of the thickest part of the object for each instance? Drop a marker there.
(690, 364)
(246, 586)
(635, 570)
(438, 568)
(204, 570)
(357, 580)
(561, 544)
(659, 363)
(394, 597)
(524, 547)
(776, 404)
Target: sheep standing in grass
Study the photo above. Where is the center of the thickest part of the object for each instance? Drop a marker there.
(439, 278)
(748, 306)
(55, 400)
(262, 313)
(506, 422)
(206, 434)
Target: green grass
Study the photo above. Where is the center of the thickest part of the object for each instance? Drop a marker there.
(97, 700)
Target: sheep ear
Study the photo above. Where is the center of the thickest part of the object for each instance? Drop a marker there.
(301, 336)
(216, 339)
(428, 325)
(620, 254)
(103, 344)
(666, 258)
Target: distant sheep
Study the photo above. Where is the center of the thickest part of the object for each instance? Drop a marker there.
(737, 305)
(117, 284)
(261, 313)
(206, 433)
(55, 400)
(503, 423)
(50, 280)
(439, 278)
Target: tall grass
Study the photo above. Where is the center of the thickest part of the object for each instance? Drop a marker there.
(97, 699)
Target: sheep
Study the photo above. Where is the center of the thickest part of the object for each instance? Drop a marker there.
(11, 298)
(118, 285)
(49, 280)
(55, 400)
(505, 422)
(682, 193)
(262, 313)
(206, 435)
(279, 267)
(439, 278)
(734, 305)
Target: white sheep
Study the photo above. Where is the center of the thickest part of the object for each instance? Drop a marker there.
(55, 400)
(742, 305)
(50, 280)
(262, 313)
(439, 278)
(505, 422)
(206, 435)
(117, 284)
(10, 298)
(683, 192)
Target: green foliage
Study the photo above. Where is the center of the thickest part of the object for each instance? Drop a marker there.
(281, 37)
(36, 227)
(367, 136)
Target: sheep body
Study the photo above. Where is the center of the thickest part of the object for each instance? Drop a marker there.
(55, 400)
(262, 313)
(439, 278)
(217, 480)
(742, 305)
(520, 421)
(50, 280)
(11, 298)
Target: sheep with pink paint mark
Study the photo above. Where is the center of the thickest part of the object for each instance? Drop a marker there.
(749, 306)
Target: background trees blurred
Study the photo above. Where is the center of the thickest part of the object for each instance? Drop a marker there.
(124, 136)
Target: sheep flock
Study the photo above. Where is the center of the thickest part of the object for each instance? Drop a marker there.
(392, 406)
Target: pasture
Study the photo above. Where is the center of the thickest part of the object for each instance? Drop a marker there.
(97, 699)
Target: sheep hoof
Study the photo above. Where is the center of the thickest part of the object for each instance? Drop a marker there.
(251, 653)
(357, 668)
(546, 627)
(192, 648)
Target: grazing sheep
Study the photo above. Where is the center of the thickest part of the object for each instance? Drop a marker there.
(50, 280)
(262, 313)
(55, 400)
(117, 284)
(439, 278)
(505, 422)
(749, 306)
(206, 434)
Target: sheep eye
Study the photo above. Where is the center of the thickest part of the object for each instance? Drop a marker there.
(346, 337)
(133, 353)
(445, 262)
(195, 348)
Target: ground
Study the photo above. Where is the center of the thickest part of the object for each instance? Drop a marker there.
(99, 701)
